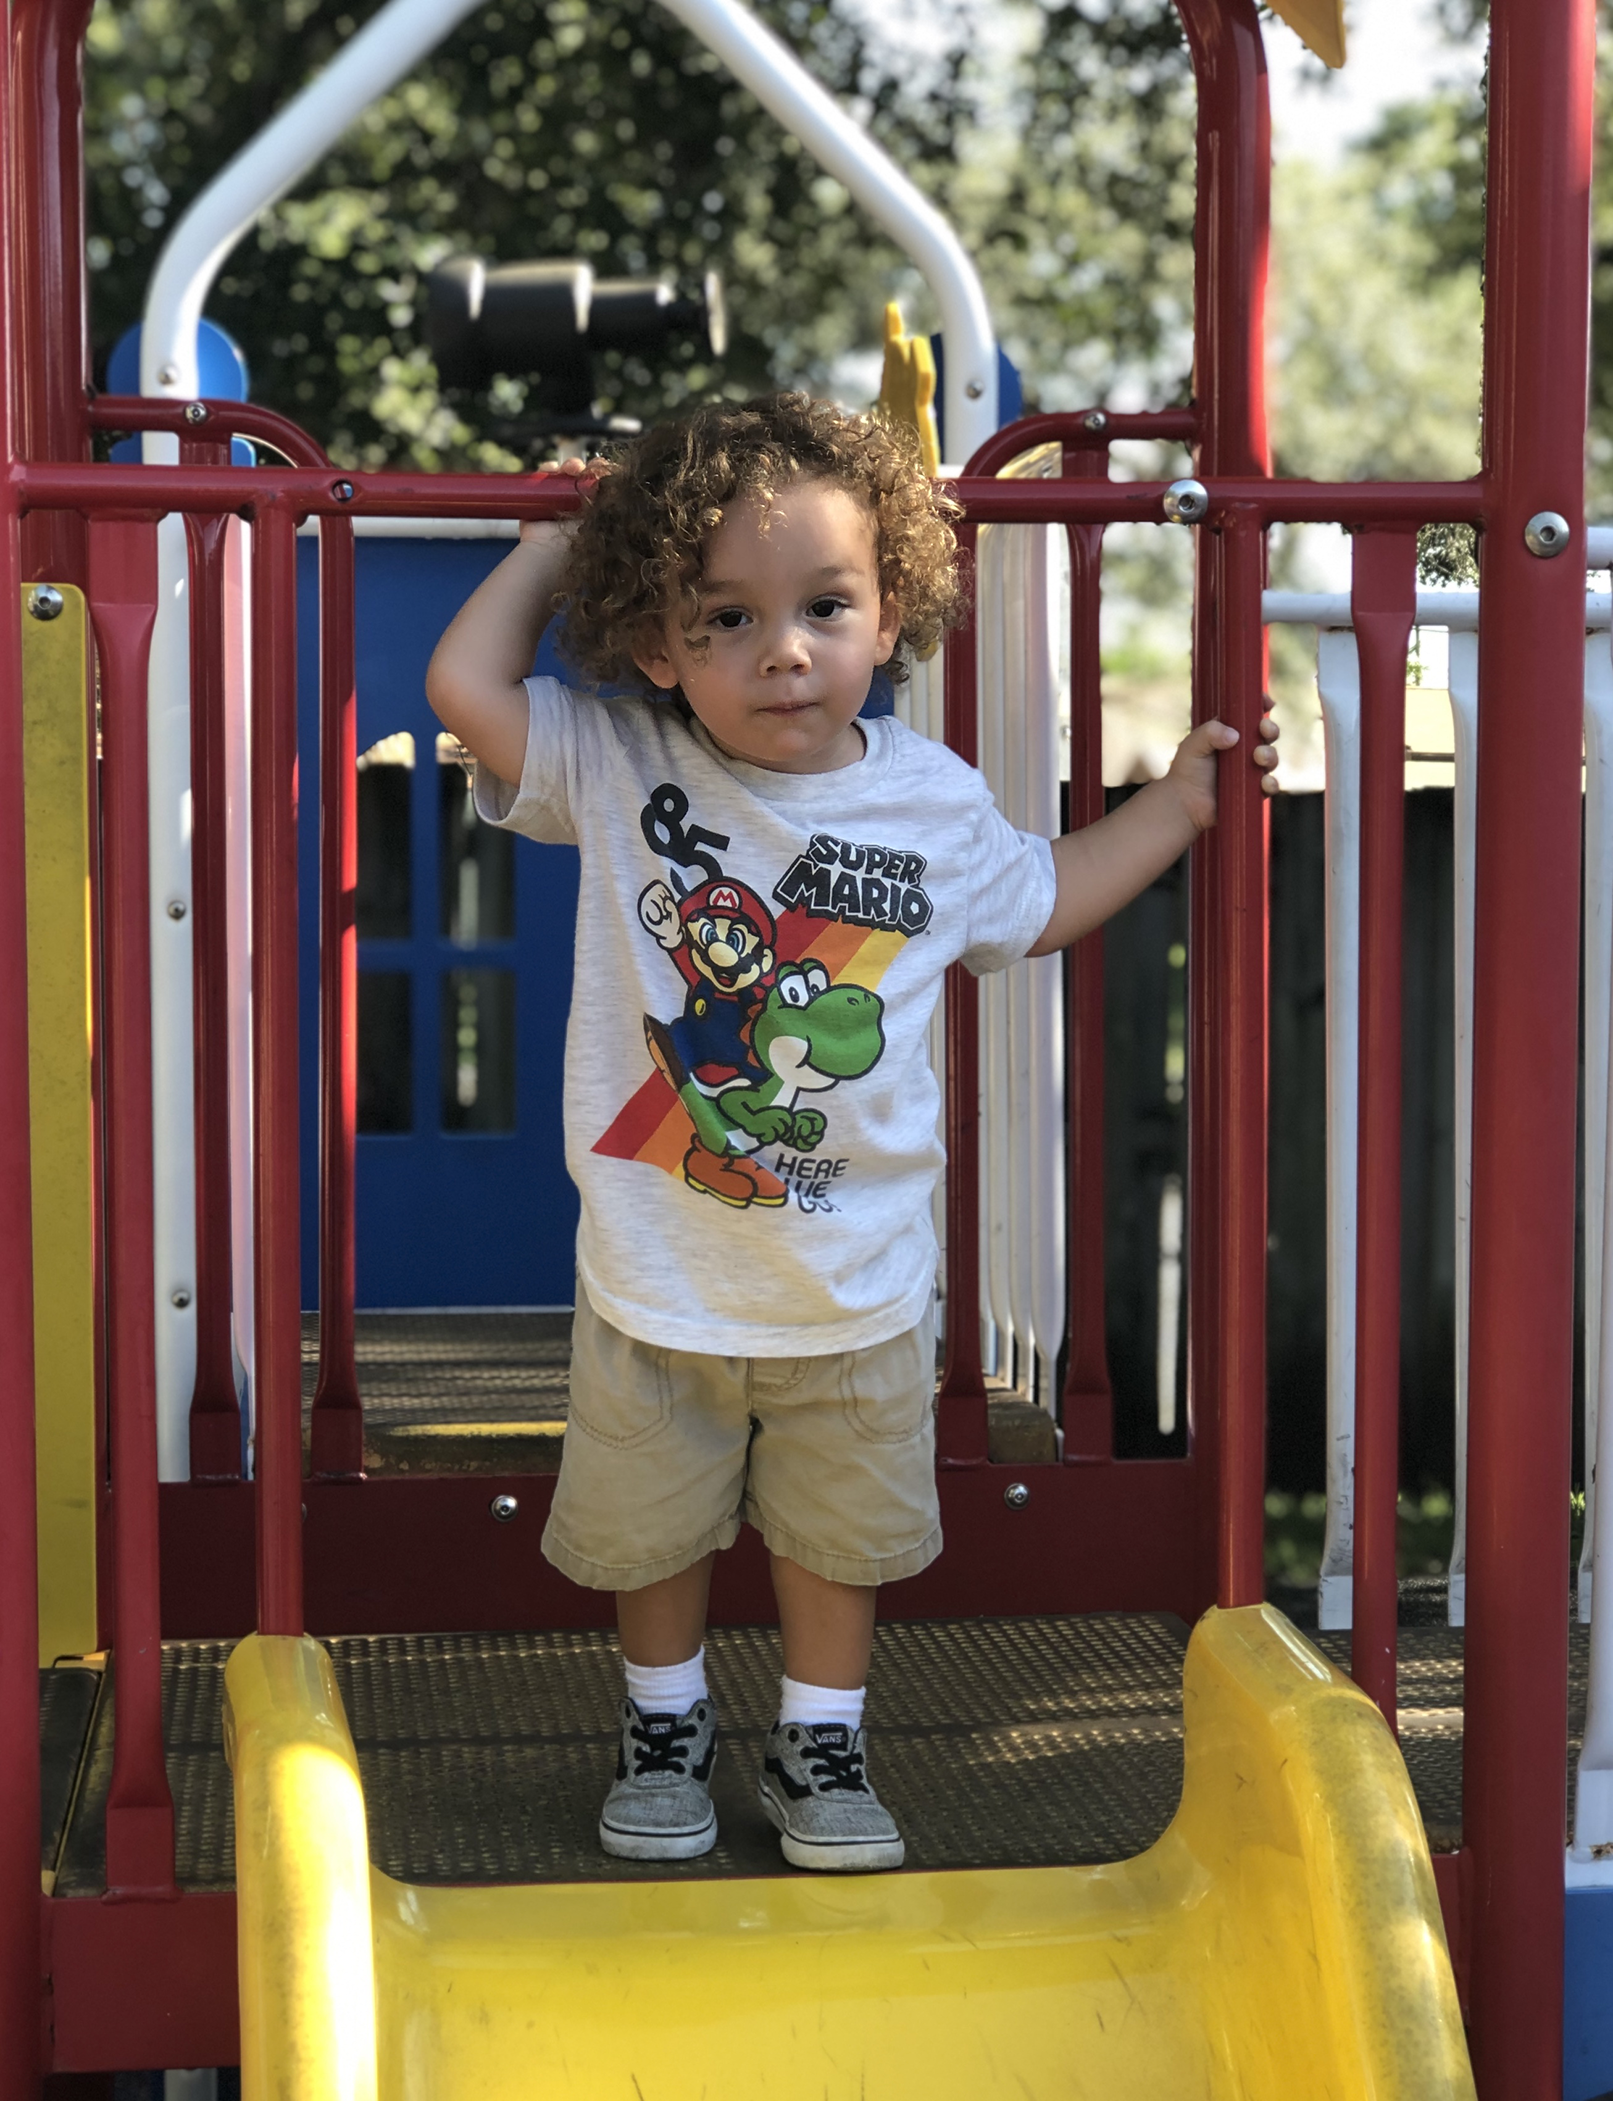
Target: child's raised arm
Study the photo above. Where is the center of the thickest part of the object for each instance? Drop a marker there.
(475, 678)
(1109, 863)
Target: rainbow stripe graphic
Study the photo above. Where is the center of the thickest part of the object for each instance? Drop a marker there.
(654, 1126)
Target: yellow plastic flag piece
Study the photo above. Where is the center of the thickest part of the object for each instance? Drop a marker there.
(1318, 23)
(907, 389)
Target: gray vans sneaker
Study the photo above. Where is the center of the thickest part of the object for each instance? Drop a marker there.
(660, 1806)
(815, 1791)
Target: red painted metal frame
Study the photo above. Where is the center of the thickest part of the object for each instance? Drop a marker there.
(19, 1595)
(50, 342)
(961, 1415)
(1531, 673)
(277, 1294)
(215, 1410)
(337, 1426)
(1383, 606)
(123, 609)
(1088, 1395)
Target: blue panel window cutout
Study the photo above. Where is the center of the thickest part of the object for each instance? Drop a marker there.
(478, 1050)
(385, 1053)
(475, 862)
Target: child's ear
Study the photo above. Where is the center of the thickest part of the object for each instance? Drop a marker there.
(650, 655)
(890, 629)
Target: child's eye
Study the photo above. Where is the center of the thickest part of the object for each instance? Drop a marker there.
(826, 608)
(729, 619)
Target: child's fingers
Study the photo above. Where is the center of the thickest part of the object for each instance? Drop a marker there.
(1211, 736)
(1269, 730)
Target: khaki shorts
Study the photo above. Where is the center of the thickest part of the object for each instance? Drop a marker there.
(667, 1452)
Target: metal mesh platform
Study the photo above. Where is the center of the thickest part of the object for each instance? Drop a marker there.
(1018, 1742)
(448, 1391)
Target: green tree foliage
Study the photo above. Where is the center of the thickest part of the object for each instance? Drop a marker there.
(600, 128)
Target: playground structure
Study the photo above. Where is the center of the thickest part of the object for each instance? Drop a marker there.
(145, 1972)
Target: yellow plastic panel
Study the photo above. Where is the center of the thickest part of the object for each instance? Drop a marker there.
(1282, 1939)
(1318, 23)
(55, 669)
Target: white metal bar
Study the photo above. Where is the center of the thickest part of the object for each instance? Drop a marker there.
(1457, 610)
(781, 84)
(1338, 681)
(1463, 678)
(1598, 1017)
(1593, 1793)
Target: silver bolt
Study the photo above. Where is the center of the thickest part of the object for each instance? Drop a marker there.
(1546, 534)
(1186, 502)
(176, 908)
(168, 376)
(1016, 1495)
(1096, 420)
(974, 388)
(342, 491)
(504, 1508)
(195, 411)
(45, 602)
(181, 1298)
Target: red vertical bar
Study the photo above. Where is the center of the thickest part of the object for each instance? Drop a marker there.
(1383, 605)
(1088, 1394)
(50, 349)
(215, 1409)
(19, 1568)
(337, 1429)
(277, 1291)
(1524, 1050)
(961, 1430)
(1227, 957)
(123, 606)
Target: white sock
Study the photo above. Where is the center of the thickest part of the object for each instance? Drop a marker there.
(811, 1704)
(667, 1688)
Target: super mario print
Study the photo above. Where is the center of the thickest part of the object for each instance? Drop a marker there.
(778, 1009)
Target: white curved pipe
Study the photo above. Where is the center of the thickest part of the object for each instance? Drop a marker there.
(782, 85)
(390, 45)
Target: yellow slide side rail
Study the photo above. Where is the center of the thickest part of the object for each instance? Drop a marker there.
(55, 730)
(1282, 1939)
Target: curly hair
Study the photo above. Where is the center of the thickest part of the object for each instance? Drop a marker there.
(638, 551)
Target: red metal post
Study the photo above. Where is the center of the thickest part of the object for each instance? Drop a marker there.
(1383, 606)
(19, 1598)
(277, 1312)
(337, 1428)
(1088, 1395)
(215, 1409)
(50, 348)
(1524, 1049)
(1227, 953)
(961, 1426)
(123, 607)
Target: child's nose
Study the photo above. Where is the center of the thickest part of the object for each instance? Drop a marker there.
(787, 649)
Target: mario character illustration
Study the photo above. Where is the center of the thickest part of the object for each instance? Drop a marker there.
(805, 1037)
(722, 939)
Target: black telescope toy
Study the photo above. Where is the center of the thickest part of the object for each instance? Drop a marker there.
(549, 319)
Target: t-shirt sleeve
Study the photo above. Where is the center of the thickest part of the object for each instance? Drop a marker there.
(1012, 886)
(542, 806)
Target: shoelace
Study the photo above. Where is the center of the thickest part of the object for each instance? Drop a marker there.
(661, 1750)
(836, 1772)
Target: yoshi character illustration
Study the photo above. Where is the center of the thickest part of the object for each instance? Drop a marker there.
(807, 1036)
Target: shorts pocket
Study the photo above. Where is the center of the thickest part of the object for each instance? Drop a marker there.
(889, 1390)
(621, 1389)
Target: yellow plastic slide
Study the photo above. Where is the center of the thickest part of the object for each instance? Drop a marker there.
(1282, 1939)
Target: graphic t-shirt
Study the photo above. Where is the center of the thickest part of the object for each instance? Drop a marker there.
(750, 1113)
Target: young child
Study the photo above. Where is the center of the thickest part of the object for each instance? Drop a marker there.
(771, 891)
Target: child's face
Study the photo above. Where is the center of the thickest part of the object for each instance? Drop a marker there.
(790, 628)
